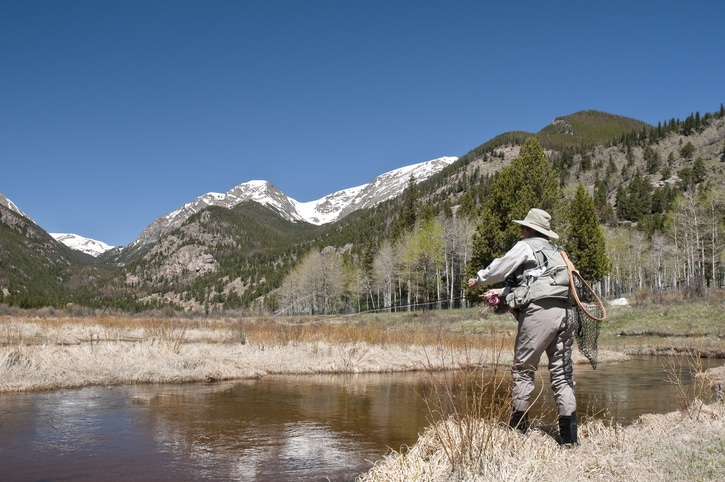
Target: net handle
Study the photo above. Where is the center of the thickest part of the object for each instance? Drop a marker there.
(572, 286)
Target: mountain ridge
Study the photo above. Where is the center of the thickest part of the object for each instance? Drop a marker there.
(327, 209)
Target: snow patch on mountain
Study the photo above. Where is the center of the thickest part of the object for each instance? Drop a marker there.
(73, 241)
(82, 244)
(327, 209)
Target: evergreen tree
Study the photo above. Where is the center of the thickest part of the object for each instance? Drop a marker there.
(487, 241)
(611, 169)
(408, 210)
(600, 193)
(368, 255)
(699, 171)
(586, 162)
(427, 211)
(687, 151)
(447, 209)
(663, 199)
(585, 242)
(468, 206)
(635, 200)
(651, 160)
(605, 212)
(528, 182)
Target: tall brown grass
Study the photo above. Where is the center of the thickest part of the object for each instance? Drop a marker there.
(457, 401)
(691, 397)
(69, 351)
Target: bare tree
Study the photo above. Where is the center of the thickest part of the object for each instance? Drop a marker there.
(315, 286)
(384, 273)
(458, 234)
(687, 232)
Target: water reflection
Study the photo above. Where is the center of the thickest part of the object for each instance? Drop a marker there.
(275, 428)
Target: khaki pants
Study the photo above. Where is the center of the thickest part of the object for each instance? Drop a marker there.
(545, 326)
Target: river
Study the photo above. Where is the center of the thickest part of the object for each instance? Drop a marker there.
(277, 428)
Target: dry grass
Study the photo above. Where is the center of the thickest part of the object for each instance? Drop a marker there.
(38, 353)
(657, 447)
(48, 350)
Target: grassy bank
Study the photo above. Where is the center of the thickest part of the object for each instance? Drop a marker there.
(675, 446)
(47, 350)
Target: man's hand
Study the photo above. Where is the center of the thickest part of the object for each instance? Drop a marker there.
(494, 292)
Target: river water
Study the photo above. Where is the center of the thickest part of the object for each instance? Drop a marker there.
(280, 428)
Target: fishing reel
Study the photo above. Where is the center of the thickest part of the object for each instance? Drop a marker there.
(498, 304)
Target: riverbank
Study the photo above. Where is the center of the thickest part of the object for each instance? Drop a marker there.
(45, 354)
(676, 446)
(43, 351)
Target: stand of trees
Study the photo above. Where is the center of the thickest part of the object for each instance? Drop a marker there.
(686, 255)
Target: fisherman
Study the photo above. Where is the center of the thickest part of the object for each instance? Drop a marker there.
(537, 291)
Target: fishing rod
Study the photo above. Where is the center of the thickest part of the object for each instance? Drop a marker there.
(398, 307)
(410, 305)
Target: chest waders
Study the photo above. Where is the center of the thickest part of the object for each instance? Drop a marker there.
(546, 278)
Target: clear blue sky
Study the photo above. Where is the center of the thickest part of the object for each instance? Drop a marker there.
(113, 113)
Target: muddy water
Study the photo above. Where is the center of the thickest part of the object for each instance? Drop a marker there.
(273, 429)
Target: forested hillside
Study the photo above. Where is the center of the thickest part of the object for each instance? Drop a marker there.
(40, 270)
(639, 207)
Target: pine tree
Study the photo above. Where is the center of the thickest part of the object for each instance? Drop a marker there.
(447, 209)
(408, 210)
(651, 160)
(687, 151)
(600, 193)
(468, 205)
(528, 182)
(634, 201)
(585, 242)
(699, 171)
(487, 241)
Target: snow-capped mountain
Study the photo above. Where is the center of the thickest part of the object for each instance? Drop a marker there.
(84, 245)
(322, 211)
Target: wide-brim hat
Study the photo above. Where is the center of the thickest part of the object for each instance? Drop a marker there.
(538, 220)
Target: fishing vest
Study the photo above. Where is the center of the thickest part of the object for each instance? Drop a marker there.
(548, 277)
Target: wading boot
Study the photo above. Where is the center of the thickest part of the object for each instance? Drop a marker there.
(519, 421)
(567, 430)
